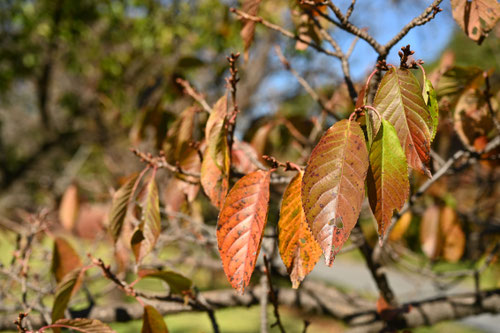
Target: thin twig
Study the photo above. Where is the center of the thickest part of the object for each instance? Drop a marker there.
(194, 94)
(274, 298)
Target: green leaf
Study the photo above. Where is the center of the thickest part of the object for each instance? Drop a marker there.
(430, 98)
(298, 249)
(387, 180)
(82, 325)
(399, 100)
(333, 186)
(64, 259)
(152, 321)
(119, 206)
(64, 290)
(178, 283)
(146, 235)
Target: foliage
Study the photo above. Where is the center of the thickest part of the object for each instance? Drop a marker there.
(363, 140)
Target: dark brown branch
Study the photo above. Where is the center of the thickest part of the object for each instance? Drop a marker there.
(272, 296)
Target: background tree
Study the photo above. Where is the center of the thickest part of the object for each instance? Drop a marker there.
(223, 179)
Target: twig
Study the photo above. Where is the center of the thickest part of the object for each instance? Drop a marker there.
(274, 298)
(194, 94)
(232, 83)
(161, 162)
(303, 82)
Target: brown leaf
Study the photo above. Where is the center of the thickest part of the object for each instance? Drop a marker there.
(430, 237)
(333, 187)
(454, 237)
(240, 227)
(152, 321)
(83, 325)
(298, 249)
(68, 208)
(121, 199)
(250, 7)
(476, 17)
(64, 258)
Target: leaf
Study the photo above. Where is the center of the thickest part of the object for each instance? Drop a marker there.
(476, 17)
(68, 208)
(146, 235)
(64, 259)
(190, 163)
(458, 79)
(241, 225)
(430, 98)
(454, 237)
(333, 185)
(298, 249)
(121, 199)
(401, 226)
(216, 118)
(250, 7)
(178, 283)
(399, 100)
(472, 119)
(152, 321)
(243, 157)
(430, 238)
(83, 325)
(180, 135)
(387, 181)
(64, 290)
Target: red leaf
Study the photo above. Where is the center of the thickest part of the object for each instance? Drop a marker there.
(333, 186)
(399, 99)
(298, 249)
(241, 225)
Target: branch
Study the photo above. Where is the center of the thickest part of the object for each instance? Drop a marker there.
(194, 94)
(428, 14)
(282, 31)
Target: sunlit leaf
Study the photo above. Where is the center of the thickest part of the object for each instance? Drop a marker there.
(388, 185)
(64, 259)
(401, 226)
(152, 321)
(399, 100)
(68, 208)
(430, 237)
(83, 325)
(476, 17)
(119, 206)
(241, 226)
(178, 283)
(333, 185)
(146, 235)
(64, 290)
(247, 32)
(454, 237)
(298, 249)
(216, 118)
(430, 98)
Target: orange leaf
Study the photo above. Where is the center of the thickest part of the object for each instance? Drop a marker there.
(298, 249)
(401, 226)
(68, 209)
(333, 186)
(241, 225)
(454, 237)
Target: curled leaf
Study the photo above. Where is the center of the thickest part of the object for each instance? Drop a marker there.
(476, 17)
(241, 225)
(178, 283)
(83, 325)
(152, 321)
(119, 206)
(333, 185)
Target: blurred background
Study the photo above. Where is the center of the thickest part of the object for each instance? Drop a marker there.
(81, 82)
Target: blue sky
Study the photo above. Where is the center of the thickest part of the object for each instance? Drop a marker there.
(384, 19)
